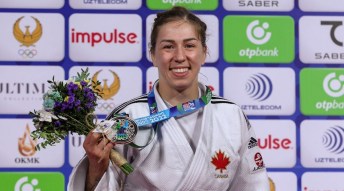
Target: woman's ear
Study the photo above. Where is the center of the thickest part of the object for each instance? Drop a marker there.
(205, 52)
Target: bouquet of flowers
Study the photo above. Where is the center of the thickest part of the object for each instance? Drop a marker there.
(68, 107)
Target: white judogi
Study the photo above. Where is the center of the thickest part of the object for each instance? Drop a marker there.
(220, 154)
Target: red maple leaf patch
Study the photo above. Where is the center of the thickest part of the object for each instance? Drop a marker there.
(220, 161)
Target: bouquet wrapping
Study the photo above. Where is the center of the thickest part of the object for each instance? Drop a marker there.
(68, 107)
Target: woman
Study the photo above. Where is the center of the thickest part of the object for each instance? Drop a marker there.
(213, 147)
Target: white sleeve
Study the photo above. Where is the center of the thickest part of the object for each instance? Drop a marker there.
(77, 178)
(251, 174)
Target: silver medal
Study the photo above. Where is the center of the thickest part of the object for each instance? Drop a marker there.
(119, 129)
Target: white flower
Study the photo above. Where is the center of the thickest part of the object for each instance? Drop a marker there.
(46, 116)
(61, 117)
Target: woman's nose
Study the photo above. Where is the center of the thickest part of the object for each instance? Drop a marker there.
(179, 55)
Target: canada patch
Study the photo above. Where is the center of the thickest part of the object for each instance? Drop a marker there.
(258, 159)
(221, 161)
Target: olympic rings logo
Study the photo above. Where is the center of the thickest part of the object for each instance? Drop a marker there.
(27, 53)
(106, 106)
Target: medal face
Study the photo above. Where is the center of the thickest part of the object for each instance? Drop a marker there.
(119, 129)
(124, 130)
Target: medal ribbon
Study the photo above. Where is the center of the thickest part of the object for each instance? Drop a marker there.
(176, 111)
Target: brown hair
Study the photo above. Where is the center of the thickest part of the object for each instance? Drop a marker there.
(174, 14)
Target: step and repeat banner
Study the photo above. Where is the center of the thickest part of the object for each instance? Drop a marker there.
(280, 60)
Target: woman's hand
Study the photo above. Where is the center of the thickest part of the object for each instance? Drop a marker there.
(98, 150)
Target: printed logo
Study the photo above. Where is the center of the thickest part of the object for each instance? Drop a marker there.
(321, 5)
(334, 25)
(220, 161)
(31, 181)
(328, 85)
(271, 142)
(323, 147)
(106, 4)
(21, 89)
(258, 91)
(257, 33)
(325, 44)
(77, 140)
(32, 37)
(332, 139)
(26, 148)
(91, 40)
(190, 4)
(276, 138)
(24, 184)
(258, 5)
(334, 86)
(27, 37)
(20, 147)
(259, 87)
(253, 143)
(189, 106)
(105, 90)
(252, 39)
(26, 145)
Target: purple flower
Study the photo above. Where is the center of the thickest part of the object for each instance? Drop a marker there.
(77, 103)
(86, 90)
(89, 105)
(57, 123)
(90, 96)
(83, 83)
(71, 99)
(64, 106)
(57, 104)
(71, 87)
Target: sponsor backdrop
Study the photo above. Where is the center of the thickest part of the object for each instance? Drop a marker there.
(280, 60)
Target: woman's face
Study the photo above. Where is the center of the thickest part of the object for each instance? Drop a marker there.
(178, 55)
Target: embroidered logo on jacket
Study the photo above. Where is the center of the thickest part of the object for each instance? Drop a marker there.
(258, 159)
(220, 161)
(253, 143)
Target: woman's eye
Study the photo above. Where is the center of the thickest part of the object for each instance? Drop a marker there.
(189, 46)
(168, 47)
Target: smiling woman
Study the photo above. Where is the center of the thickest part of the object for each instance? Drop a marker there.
(200, 139)
(179, 54)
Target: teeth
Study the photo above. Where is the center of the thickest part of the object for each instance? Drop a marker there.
(180, 70)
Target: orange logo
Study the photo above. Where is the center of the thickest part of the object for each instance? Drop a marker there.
(27, 38)
(26, 145)
(220, 161)
(107, 91)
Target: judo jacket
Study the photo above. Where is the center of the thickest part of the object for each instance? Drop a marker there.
(226, 156)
